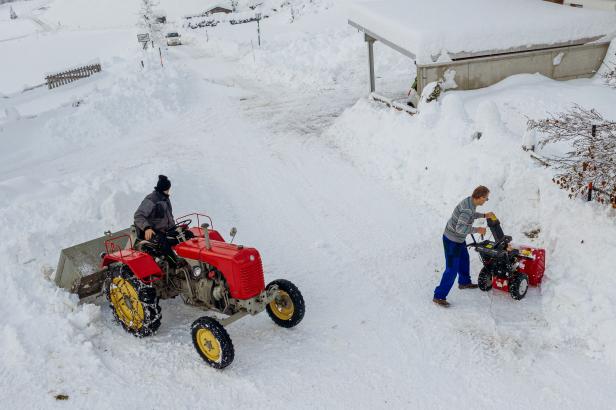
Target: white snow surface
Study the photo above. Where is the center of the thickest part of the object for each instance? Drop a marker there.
(341, 195)
(430, 29)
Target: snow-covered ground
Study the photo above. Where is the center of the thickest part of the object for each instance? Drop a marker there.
(343, 196)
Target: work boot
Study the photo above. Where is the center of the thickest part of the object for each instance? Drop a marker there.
(441, 302)
(468, 286)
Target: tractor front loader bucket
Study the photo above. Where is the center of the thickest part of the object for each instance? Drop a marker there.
(79, 266)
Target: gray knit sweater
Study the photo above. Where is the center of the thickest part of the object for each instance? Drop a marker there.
(461, 222)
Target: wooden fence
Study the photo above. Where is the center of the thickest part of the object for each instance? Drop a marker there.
(66, 77)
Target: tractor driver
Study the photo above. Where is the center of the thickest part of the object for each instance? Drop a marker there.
(454, 241)
(154, 217)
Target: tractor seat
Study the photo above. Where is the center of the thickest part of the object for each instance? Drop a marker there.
(148, 247)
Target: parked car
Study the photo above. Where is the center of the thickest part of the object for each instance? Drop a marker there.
(608, 5)
(173, 39)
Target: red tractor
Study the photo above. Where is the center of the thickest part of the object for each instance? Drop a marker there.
(204, 270)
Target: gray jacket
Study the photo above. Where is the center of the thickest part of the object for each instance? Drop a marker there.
(155, 212)
(461, 222)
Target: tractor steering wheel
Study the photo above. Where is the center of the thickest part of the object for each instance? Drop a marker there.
(183, 223)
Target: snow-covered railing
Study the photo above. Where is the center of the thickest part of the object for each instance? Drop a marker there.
(66, 77)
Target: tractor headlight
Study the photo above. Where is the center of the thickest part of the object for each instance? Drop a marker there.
(196, 271)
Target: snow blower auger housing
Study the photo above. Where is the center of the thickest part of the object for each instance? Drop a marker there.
(207, 272)
(508, 268)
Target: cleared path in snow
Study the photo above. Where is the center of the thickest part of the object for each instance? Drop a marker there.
(393, 264)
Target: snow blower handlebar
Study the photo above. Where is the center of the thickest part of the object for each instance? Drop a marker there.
(497, 233)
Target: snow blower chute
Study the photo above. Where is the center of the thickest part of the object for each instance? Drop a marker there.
(506, 267)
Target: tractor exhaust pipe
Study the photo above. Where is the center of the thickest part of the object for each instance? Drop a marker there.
(206, 236)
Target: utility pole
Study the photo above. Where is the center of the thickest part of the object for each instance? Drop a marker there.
(259, 28)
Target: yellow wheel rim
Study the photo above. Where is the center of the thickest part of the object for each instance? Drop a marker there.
(126, 303)
(208, 344)
(282, 306)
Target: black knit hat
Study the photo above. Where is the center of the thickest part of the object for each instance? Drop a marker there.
(163, 184)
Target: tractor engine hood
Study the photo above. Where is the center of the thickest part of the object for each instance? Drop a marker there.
(241, 267)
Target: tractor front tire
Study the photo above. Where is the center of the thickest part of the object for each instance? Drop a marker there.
(288, 308)
(518, 286)
(134, 304)
(212, 342)
(484, 280)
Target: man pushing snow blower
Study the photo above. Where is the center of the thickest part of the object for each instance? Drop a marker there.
(454, 241)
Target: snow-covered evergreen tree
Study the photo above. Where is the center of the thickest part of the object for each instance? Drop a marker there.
(12, 13)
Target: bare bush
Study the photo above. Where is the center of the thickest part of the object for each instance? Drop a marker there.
(610, 77)
(591, 155)
(608, 68)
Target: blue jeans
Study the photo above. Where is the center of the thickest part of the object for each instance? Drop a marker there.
(457, 263)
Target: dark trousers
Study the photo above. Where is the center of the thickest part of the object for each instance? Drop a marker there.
(457, 263)
(165, 244)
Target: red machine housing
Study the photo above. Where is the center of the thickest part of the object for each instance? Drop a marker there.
(500, 284)
(214, 235)
(140, 263)
(241, 267)
(533, 266)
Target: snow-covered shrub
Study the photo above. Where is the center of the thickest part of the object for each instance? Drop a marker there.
(433, 90)
(607, 71)
(591, 152)
(610, 77)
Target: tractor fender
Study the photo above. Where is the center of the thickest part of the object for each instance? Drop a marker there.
(142, 265)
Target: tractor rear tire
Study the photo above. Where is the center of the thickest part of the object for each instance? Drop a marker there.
(519, 286)
(212, 342)
(134, 304)
(288, 308)
(484, 280)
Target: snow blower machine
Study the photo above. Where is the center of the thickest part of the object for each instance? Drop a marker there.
(203, 269)
(506, 267)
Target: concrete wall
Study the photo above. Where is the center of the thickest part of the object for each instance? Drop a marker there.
(472, 73)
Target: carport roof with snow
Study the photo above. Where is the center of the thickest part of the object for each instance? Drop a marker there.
(431, 31)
